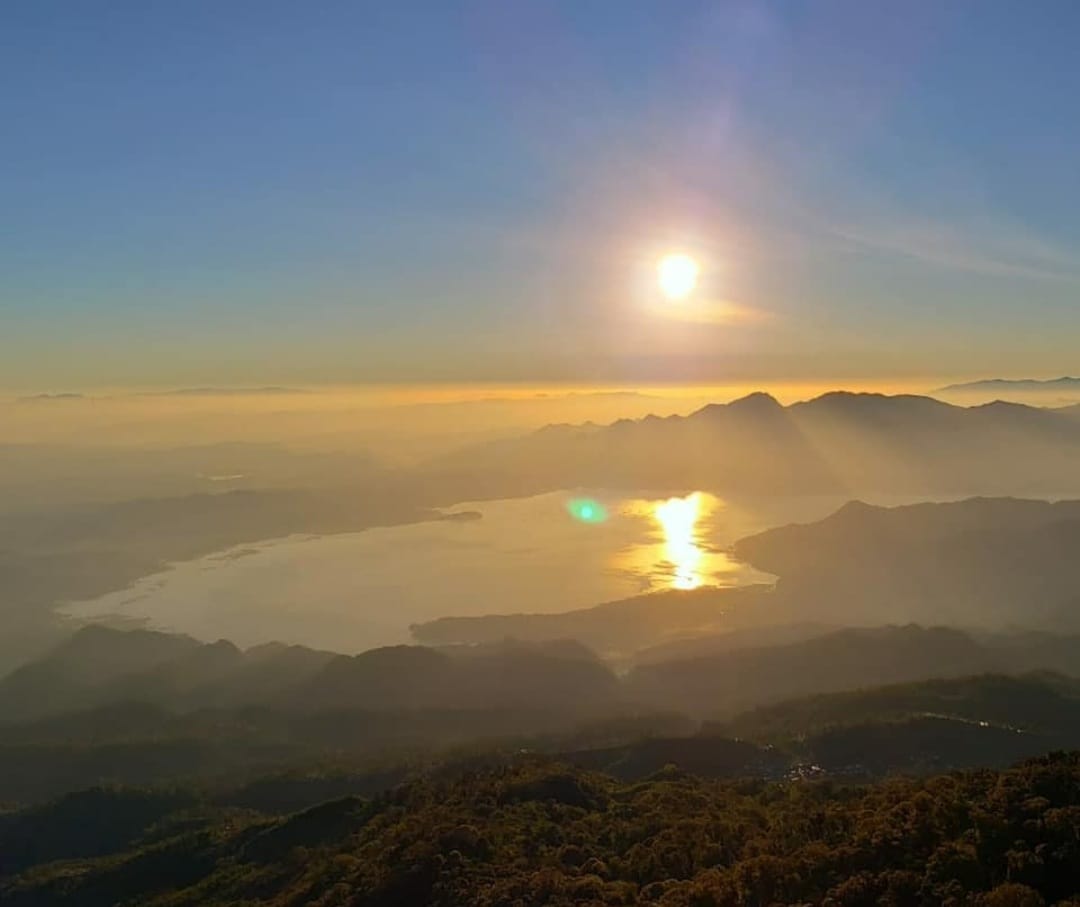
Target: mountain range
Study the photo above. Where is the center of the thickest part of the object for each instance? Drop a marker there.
(842, 445)
(980, 562)
(1026, 385)
(98, 666)
(838, 443)
(145, 707)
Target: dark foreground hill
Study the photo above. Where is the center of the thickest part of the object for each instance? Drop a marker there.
(721, 684)
(919, 728)
(130, 679)
(1038, 703)
(142, 708)
(99, 666)
(537, 832)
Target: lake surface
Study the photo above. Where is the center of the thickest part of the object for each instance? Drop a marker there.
(349, 592)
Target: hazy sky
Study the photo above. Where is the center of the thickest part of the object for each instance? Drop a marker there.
(258, 192)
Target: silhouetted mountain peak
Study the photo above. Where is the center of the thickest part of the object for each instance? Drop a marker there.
(560, 429)
(757, 403)
(1015, 411)
(841, 442)
(269, 651)
(854, 509)
(97, 641)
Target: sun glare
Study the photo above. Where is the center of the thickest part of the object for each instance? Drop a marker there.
(677, 275)
(678, 519)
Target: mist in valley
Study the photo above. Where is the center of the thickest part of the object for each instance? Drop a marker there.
(539, 454)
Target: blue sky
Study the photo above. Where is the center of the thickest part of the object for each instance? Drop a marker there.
(273, 192)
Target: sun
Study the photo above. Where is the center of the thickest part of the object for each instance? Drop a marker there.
(677, 275)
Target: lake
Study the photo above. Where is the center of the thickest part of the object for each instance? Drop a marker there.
(550, 553)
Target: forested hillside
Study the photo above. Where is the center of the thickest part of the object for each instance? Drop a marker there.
(540, 832)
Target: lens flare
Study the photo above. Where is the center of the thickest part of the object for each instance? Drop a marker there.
(587, 510)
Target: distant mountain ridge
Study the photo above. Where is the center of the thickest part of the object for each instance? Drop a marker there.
(268, 390)
(1024, 384)
(837, 443)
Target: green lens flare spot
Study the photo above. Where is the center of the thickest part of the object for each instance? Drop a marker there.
(587, 510)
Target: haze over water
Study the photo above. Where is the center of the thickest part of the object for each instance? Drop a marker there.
(358, 590)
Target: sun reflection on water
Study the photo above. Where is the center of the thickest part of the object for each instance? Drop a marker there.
(677, 552)
(678, 519)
